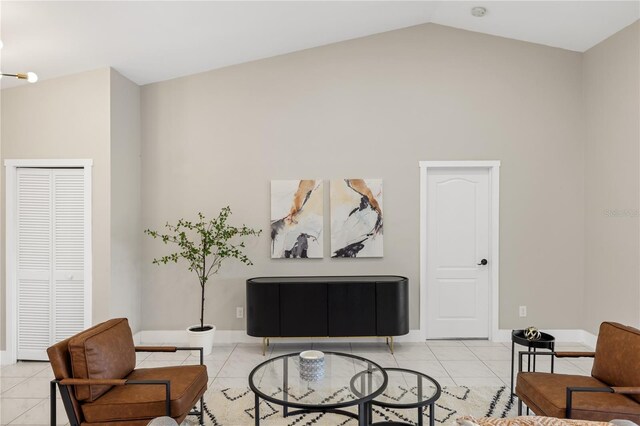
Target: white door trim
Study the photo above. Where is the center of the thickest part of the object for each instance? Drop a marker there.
(12, 166)
(494, 237)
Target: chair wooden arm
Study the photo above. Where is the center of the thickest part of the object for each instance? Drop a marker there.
(81, 382)
(575, 354)
(156, 348)
(171, 349)
(108, 382)
(628, 390)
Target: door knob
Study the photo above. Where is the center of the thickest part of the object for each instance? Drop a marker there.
(483, 262)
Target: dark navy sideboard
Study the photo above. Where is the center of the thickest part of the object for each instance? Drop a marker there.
(331, 306)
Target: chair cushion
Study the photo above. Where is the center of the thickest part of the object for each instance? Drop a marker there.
(105, 351)
(546, 395)
(135, 402)
(617, 356)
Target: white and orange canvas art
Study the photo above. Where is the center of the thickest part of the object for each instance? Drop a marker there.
(356, 218)
(296, 219)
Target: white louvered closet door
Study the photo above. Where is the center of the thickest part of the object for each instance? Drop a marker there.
(50, 257)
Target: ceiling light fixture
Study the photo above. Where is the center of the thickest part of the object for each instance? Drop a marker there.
(31, 77)
(479, 11)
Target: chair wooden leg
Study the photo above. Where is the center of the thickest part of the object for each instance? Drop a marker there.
(519, 407)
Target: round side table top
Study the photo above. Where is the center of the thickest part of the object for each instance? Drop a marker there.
(405, 389)
(545, 341)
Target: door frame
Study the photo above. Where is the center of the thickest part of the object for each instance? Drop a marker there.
(494, 237)
(11, 203)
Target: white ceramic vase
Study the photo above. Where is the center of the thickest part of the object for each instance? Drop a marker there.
(201, 339)
(311, 365)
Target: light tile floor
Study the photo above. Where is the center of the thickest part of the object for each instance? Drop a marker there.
(24, 387)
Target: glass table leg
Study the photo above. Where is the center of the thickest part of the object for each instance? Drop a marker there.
(362, 414)
(513, 348)
(419, 399)
(432, 414)
(285, 385)
(257, 410)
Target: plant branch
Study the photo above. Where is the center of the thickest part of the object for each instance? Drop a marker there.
(201, 240)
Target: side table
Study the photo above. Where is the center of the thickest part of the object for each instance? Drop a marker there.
(418, 391)
(546, 341)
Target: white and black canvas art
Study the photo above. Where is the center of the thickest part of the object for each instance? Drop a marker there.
(356, 218)
(296, 219)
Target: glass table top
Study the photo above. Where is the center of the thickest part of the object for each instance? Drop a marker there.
(279, 380)
(406, 389)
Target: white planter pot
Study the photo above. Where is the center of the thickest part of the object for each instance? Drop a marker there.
(201, 339)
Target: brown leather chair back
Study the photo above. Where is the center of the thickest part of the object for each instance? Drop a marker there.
(105, 351)
(61, 365)
(617, 360)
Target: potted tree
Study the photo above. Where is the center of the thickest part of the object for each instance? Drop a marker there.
(204, 245)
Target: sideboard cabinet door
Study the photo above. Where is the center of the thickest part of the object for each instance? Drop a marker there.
(393, 308)
(303, 309)
(352, 309)
(263, 309)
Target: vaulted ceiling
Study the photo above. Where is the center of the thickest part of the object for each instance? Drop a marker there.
(151, 41)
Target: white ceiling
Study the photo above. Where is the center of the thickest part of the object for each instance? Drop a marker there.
(152, 41)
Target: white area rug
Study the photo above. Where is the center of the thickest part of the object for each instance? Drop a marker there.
(235, 407)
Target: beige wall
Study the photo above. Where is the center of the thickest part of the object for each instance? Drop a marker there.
(371, 107)
(374, 107)
(611, 82)
(65, 117)
(126, 238)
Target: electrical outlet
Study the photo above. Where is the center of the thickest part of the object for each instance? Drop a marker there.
(239, 312)
(523, 311)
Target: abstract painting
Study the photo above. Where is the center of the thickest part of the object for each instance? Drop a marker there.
(356, 218)
(296, 218)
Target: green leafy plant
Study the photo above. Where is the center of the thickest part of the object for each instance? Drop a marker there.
(204, 244)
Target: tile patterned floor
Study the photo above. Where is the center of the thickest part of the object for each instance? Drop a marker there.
(24, 387)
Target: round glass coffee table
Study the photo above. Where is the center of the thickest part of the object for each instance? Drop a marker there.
(278, 381)
(406, 389)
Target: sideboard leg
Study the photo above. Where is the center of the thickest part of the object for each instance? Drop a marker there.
(390, 343)
(264, 346)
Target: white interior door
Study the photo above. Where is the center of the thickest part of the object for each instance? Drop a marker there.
(34, 228)
(458, 230)
(50, 258)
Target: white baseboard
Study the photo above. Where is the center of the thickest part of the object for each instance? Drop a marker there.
(412, 337)
(589, 339)
(502, 336)
(175, 337)
(3, 358)
(179, 337)
(156, 337)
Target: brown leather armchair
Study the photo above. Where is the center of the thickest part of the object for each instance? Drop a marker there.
(95, 373)
(611, 392)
